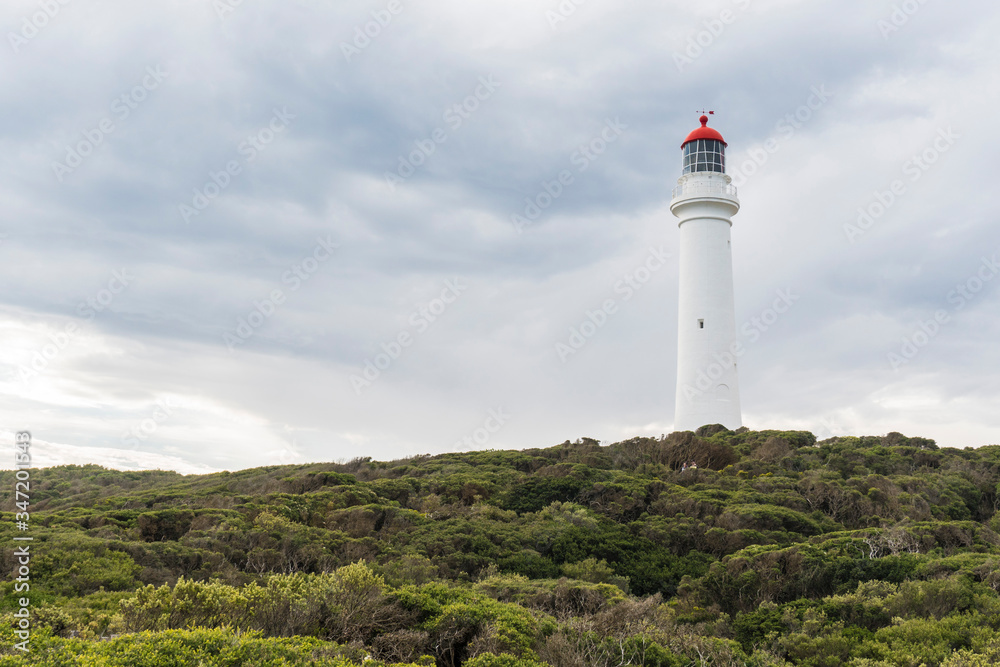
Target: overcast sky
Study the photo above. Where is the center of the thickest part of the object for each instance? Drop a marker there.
(240, 233)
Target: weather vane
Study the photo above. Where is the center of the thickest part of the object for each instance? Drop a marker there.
(710, 113)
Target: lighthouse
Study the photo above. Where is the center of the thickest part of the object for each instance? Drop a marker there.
(704, 203)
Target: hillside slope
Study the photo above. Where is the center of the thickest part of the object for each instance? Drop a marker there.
(772, 549)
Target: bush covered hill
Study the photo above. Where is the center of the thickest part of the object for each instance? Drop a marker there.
(775, 550)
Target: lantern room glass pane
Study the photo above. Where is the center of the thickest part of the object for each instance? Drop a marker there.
(704, 155)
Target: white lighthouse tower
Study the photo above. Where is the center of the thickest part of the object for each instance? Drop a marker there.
(705, 201)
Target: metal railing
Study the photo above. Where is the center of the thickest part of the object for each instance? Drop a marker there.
(726, 190)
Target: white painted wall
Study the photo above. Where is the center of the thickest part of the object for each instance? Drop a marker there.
(707, 386)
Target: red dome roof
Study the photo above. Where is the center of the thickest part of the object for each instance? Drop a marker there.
(704, 132)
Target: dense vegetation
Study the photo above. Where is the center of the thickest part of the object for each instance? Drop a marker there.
(774, 550)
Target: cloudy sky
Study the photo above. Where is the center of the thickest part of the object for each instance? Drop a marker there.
(246, 232)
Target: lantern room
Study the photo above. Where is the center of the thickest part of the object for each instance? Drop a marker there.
(704, 150)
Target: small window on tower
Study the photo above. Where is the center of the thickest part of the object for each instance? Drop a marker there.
(701, 324)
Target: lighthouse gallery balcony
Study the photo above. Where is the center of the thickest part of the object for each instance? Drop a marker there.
(715, 187)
